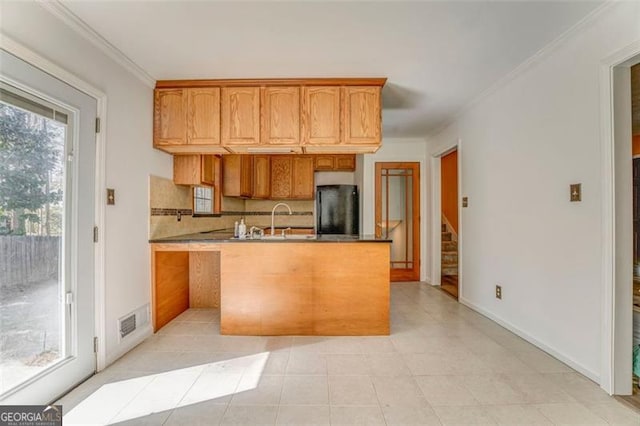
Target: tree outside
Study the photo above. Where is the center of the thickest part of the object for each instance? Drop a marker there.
(31, 173)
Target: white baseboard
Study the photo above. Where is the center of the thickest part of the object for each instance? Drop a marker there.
(526, 336)
(129, 343)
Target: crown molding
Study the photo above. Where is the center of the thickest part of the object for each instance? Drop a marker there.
(525, 66)
(85, 31)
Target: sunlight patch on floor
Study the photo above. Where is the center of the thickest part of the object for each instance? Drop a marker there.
(142, 396)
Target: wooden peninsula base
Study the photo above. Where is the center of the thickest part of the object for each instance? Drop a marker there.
(277, 288)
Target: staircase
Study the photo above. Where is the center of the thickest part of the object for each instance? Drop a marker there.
(449, 253)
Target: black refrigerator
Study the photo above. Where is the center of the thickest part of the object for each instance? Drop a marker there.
(337, 210)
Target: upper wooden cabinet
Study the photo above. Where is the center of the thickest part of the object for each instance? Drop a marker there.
(280, 108)
(237, 176)
(321, 115)
(361, 115)
(281, 172)
(203, 116)
(187, 120)
(261, 176)
(302, 178)
(338, 163)
(240, 115)
(268, 116)
(196, 169)
(170, 117)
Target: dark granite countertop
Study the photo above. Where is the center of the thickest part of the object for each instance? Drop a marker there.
(227, 237)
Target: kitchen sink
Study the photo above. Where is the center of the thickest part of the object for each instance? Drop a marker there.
(289, 237)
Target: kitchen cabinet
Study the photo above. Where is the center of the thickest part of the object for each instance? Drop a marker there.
(195, 169)
(361, 119)
(240, 119)
(187, 121)
(321, 115)
(281, 171)
(280, 112)
(339, 163)
(261, 176)
(237, 176)
(302, 187)
(292, 177)
(169, 113)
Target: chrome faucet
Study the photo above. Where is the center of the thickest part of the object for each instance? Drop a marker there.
(273, 214)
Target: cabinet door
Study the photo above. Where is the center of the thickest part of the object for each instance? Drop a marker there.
(324, 162)
(281, 173)
(169, 117)
(240, 120)
(321, 115)
(261, 176)
(303, 183)
(361, 115)
(187, 170)
(237, 175)
(345, 162)
(208, 170)
(280, 115)
(203, 116)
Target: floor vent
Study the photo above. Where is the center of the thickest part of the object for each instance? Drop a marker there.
(132, 321)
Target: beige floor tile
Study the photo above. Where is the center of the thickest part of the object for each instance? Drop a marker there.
(492, 389)
(537, 388)
(391, 364)
(351, 390)
(250, 415)
(352, 364)
(417, 415)
(474, 415)
(570, 414)
(212, 387)
(542, 362)
(376, 344)
(304, 415)
(201, 414)
(258, 390)
(511, 415)
(579, 387)
(306, 363)
(399, 391)
(149, 420)
(277, 363)
(445, 390)
(356, 415)
(615, 413)
(302, 390)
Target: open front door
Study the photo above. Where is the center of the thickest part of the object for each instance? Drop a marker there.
(398, 216)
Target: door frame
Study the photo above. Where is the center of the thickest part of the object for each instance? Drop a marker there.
(436, 214)
(617, 262)
(415, 211)
(10, 45)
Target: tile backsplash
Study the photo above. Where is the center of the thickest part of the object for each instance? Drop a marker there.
(166, 200)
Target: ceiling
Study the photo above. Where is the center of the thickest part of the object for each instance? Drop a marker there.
(438, 56)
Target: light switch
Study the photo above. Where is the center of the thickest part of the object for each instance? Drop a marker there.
(465, 201)
(576, 192)
(111, 196)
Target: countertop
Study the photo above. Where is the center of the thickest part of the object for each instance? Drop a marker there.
(227, 237)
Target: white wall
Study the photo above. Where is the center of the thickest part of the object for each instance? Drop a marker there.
(523, 145)
(410, 150)
(129, 155)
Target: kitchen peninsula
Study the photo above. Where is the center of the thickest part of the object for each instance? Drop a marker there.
(325, 285)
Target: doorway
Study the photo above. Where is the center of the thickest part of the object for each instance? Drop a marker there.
(449, 223)
(397, 218)
(47, 163)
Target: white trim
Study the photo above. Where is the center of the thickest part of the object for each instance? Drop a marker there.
(83, 29)
(536, 58)
(609, 345)
(526, 336)
(27, 55)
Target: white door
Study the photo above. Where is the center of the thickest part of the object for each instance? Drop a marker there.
(47, 171)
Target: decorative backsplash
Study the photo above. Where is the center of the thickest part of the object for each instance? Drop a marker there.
(166, 200)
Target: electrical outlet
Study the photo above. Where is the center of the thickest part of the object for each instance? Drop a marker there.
(498, 292)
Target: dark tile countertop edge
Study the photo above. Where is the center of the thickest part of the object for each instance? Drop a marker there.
(225, 237)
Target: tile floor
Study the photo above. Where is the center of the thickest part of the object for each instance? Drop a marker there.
(442, 364)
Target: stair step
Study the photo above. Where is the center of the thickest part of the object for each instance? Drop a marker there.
(450, 257)
(449, 246)
(449, 270)
(446, 236)
(444, 228)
